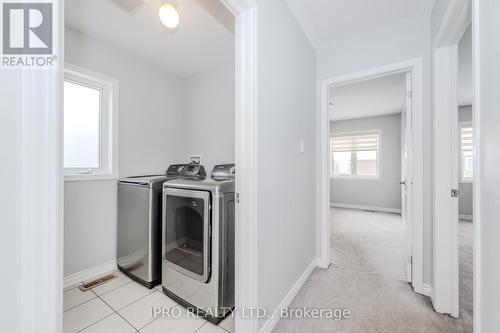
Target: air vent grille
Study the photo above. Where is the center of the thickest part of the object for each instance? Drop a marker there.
(97, 282)
(130, 6)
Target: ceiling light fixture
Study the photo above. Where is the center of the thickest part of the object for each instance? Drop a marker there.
(169, 15)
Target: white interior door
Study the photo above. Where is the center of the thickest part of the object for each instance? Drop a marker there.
(406, 182)
(445, 296)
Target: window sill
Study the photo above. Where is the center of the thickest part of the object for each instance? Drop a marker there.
(86, 177)
(465, 181)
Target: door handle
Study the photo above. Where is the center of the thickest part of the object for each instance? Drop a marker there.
(403, 182)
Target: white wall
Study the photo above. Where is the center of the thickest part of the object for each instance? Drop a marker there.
(208, 110)
(149, 132)
(386, 191)
(465, 200)
(406, 39)
(162, 120)
(286, 178)
(486, 120)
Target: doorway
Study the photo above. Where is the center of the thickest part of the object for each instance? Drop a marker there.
(245, 133)
(138, 101)
(412, 176)
(370, 156)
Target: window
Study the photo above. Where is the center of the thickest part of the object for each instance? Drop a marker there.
(467, 156)
(355, 155)
(90, 125)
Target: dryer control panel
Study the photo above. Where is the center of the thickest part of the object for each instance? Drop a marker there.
(224, 171)
(194, 170)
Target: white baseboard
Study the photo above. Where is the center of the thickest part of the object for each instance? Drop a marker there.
(423, 289)
(271, 323)
(427, 289)
(324, 264)
(89, 273)
(363, 207)
(465, 217)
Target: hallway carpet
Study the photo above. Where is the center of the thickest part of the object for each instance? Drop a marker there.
(465, 265)
(367, 276)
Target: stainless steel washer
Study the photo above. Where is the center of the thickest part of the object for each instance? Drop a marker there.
(198, 242)
(139, 226)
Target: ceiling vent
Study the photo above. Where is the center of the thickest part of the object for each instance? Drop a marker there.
(130, 6)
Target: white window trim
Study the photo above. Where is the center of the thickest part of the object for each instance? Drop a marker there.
(378, 177)
(463, 180)
(109, 120)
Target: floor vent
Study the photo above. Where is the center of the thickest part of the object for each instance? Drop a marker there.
(97, 282)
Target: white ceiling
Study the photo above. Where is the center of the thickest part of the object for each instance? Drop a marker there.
(375, 97)
(325, 21)
(204, 38)
(465, 88)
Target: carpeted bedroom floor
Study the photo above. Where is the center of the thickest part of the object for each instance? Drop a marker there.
(367, 276)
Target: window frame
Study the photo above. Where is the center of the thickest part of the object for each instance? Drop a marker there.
(108, 127)
(354, 161)
(464, 180)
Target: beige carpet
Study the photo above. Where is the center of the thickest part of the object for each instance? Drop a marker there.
(465, 266)
(367, 277)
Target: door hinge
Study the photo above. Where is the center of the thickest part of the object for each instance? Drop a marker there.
(237, 197)
(410, 94)
(410, 260)
(455, 193)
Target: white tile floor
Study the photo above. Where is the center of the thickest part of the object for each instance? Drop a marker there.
(123, 306)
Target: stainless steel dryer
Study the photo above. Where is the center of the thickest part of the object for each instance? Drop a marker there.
(139, 226)
(198, 242)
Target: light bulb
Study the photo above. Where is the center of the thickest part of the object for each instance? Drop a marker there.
(169, 15)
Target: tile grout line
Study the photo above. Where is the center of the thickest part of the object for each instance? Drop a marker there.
(71, 308)
(116, 311)
(152, 290)
(157, 318)
(230, 315)
(119, 315)
(224, 327)
(111, 289)
(112, 313)
(93, 292)
(199, 328)
(207, 322)
(176, 305)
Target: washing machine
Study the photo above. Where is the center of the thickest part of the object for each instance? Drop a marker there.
(139, 225)
(198, 241)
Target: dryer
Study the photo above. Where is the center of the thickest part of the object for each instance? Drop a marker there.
(198, 242)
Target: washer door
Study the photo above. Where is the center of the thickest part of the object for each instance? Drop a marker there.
(186, 232)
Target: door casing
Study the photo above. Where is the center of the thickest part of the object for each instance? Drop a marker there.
(406, 163)
(445, 269)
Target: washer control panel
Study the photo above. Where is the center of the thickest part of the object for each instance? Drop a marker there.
(224, 171)
(175, 169)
